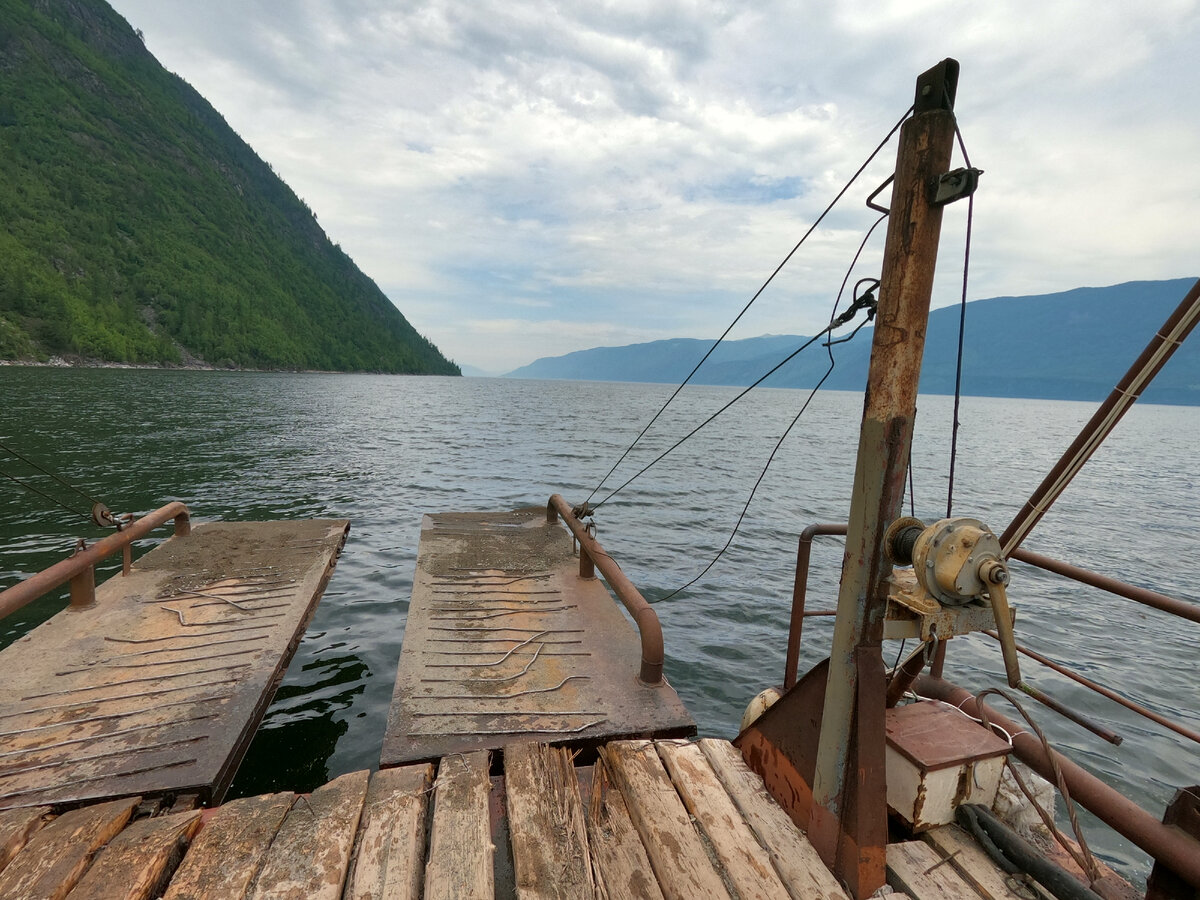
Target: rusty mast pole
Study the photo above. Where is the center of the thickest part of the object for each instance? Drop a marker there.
(848, 823)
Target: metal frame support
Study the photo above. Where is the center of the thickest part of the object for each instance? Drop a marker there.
(848, 823)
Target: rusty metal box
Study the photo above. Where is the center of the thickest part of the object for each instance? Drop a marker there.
(937, 758)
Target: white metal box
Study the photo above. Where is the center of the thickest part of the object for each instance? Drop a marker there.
(937, 758)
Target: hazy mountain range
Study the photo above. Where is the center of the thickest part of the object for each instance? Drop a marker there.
(1073, 345)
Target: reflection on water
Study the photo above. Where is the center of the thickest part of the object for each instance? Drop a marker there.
(382, 450)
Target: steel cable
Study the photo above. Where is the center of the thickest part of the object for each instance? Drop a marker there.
(962, 328)
(750, 303)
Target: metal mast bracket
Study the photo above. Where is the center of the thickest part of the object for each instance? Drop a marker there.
(937, 87)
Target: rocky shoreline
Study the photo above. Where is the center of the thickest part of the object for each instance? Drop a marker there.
(79, 362)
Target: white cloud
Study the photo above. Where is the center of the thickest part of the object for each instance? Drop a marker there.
(605, 172)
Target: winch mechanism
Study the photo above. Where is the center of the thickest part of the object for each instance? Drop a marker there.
(956, 563)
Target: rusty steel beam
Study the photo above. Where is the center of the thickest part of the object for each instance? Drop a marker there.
(1145, 596)
(800, 593)
(644, 617)
(1168, 845)
(1164, 343)
(906, 283)
(77, 565)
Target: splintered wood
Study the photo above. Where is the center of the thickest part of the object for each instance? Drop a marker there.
(545, 816)
(391, 839)
(662, 820)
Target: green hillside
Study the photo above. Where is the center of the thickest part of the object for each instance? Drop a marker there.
(138, 227)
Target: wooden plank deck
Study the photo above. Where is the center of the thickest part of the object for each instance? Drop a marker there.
(505, 641)
(570, 836)
(651, 819)
(158, 687)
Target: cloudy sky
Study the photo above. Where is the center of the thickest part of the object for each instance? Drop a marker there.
(524, 179)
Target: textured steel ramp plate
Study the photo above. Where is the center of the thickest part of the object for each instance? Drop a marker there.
(159, 687)
(504, 641)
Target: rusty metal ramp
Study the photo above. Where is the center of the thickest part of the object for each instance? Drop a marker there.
(505, 640)
(159, 686)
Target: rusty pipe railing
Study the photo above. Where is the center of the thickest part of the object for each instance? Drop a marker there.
(799, 594)
(80, 568)
(1104, 691)
(592, 556)
(1145, 596)
(1170, 845)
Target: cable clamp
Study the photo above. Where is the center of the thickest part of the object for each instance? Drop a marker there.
(953, 186)
(866, 301)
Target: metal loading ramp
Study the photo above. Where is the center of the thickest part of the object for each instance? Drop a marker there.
(158, 687)
(505, 640)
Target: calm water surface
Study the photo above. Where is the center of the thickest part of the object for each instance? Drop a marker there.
(380, 451)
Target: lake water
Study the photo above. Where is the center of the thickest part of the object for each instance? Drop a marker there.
(381, 450)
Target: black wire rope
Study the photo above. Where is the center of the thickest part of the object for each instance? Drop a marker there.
(912, 487)
(962, 328)
(749, 303)
(833, 318)
(761, 475)
(54, 500)
(779, 365)
(44, 471)
(860, 302)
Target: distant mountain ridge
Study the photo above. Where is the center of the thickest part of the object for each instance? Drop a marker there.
(139, 228)
(1072, 345)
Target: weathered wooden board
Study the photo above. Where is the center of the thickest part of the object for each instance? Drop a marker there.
(677, 853)
(460, 843)
(228, 853)
(546, 822)
(794, 858)
(621, 866)
(160, 685)
(389, 860)
(16, 827)
(974, 865)
(924, 874)
(745, 861)
(137, 862)
(505, 641)
(310, 855)
(57, 856)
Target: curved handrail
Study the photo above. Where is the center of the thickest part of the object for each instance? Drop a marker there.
(25, 592)
(646, 619)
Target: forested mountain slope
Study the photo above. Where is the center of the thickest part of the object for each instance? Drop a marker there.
(138, 227)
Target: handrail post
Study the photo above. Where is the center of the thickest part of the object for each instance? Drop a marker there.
(83, 589)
